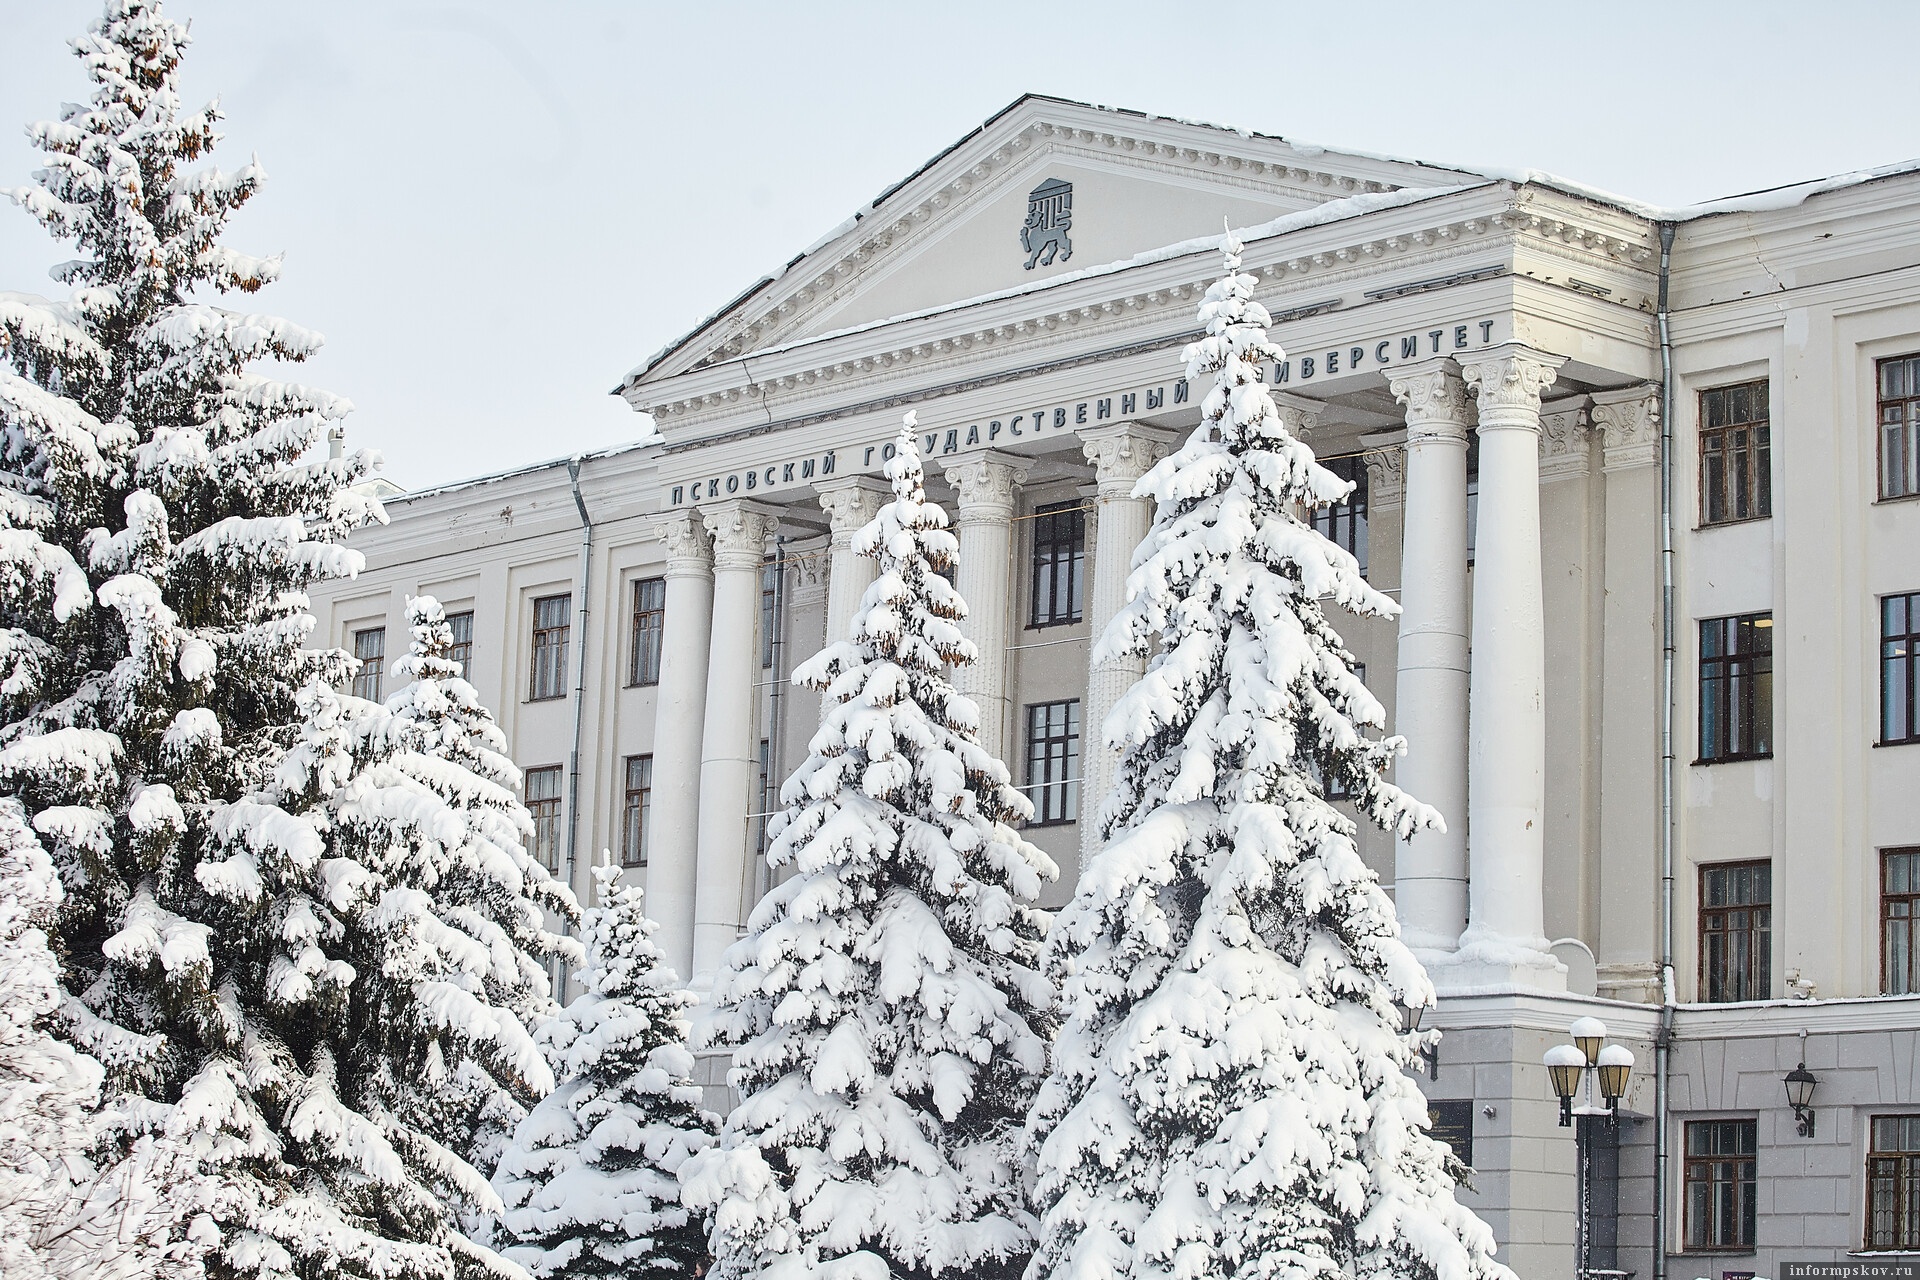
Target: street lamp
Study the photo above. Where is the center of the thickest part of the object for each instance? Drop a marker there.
(1410, 1015)
(1591, 1060)
(1800, 1084)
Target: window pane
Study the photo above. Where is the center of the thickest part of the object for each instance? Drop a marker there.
(370, 647)
(542, 787)
(461, 651)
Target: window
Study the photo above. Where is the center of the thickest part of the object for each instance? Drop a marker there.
(1893, 1183)
(1053, 761)
(1059, 556)
(1736, 932)
(1736, 463)
(1473, 491)
(636, 812)
(769, 610)
(1736, 687)
(1336, 788)
(461, 651)
(1345, 523)
(370, 647)
(1900, 668)
(552, 616)
(543, 802)
(1721, 1197)
(763, 805)
(1899, 404)
(1899, 898)
(649, 630)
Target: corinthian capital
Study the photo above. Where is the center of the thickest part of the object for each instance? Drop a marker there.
(740, 531)
(689, 547)
(1629, 423)
(1507, 381)
(985, 482)
(1298, 414)
(1121, 454)
(1435, 398)
(850, 504)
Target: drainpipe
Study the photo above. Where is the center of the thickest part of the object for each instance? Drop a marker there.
(579, 682)
(1663, 1039)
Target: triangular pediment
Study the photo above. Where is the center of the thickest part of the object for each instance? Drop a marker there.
(1045, 189)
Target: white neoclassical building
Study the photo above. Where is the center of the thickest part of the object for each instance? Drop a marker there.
(1644, 482)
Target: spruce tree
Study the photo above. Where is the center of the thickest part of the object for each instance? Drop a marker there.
(591, 1180)
(170, 737)
(1229, 1093)
(886, 1010)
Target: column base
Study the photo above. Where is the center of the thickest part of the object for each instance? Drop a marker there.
(1488, 963)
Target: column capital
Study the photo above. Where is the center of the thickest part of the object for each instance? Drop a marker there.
(850, 504)
(1507, 381)
(1121, 454)
(1565, 440)
(740, 531)
(689, 546)
(1435, 397)
(985, 482)
(1386, 461)
(1298, 414)
(1629, 424)
(809, 563)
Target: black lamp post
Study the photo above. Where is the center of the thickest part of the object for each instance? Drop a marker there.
(1410, 1015)
(1590, 1059)
(1800, 1085)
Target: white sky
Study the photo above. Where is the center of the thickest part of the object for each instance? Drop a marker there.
(493, 210)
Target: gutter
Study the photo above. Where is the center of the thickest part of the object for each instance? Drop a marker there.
(1663, 1040)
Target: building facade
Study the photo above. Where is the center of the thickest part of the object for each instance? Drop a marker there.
(1723, 774)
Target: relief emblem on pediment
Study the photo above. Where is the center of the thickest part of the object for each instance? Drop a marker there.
(1049, 218)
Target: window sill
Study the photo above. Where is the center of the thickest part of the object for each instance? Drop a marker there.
(1704, 525)
(1737, 1251)
(1052, 822)
(552, 697)
(1050, 626)
(1709, 760)
(1887, 498)
(1898, 742)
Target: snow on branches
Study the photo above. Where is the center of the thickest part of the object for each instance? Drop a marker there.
(1228, 1093)
(886, 1010)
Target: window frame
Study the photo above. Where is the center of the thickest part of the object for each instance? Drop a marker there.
(1056, 800)
(1052, 556)
(543, 818)
(1345, 523)
(1910, 899)
(372, 673)
(1909, 661)
(647, 632)
(769, 611)
(1748, 1215)
(458, 650)
(1746, 676)
(636, 810)
(1758, 981)
(1907, 401)
(1757, 466)
(1909, 1172)
(544, 644)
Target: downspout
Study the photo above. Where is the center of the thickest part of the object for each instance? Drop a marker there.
(579, 682)
(1663, 1039)
(762, 875)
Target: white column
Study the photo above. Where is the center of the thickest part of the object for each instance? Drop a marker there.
(985, 483)
(678, 718)
(849, 505)
(1120, 455)
(1430, 693)
(1507, 722)
(727, 764)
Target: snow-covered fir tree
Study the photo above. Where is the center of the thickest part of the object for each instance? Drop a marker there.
(886, 1010)
(591, 1180)
(1228, 1095)
(172, 741)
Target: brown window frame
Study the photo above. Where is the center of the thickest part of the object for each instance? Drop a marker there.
(1896, 416)
(649, 631)
(1757, 981)
(370, 679)
(1899, 668)
(1345, 523)
(1899, 914)
(1058, 565)
(1720, 431)
(461, 650)
(1053, 753)
(547, 670)
(545, 811)
(1736, 1170)
(636, 810)
(1901, 1166)
(1736, 688)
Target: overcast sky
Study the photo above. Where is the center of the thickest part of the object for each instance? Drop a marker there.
(493, 210)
